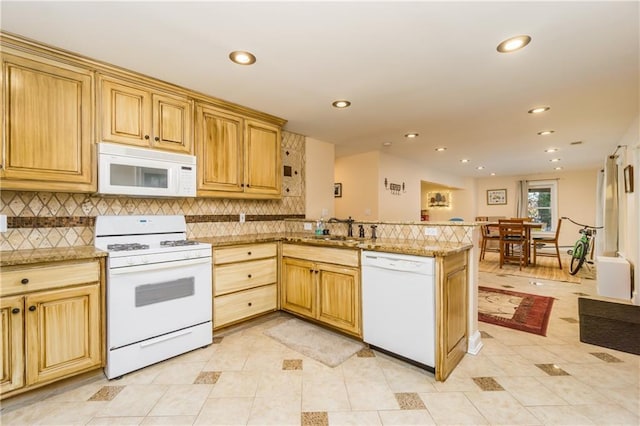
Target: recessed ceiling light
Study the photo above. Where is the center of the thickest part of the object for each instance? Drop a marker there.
(558, 168)
(242, 57)
(386, 143)
(514, 43)
(341, 104)
(538, 110)
(546, 132)
(493, 174)
(441, 149)
(464, 160)
(411, 135)
(480, 168)
(555, 160)
(551, 150)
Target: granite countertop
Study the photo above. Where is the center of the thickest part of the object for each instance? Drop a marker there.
(26, 257)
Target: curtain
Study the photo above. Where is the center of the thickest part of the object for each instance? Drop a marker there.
(600, 201)
(611, 209)
(522, 199)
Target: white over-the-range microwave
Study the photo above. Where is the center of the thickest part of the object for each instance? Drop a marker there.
(126, 170)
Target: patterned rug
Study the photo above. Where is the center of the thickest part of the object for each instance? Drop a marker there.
(512, 309)
(546, 268)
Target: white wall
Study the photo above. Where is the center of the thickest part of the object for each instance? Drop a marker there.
(359, 176)
(463, 201)
(576, 198)
(319, 173)
(405, 206)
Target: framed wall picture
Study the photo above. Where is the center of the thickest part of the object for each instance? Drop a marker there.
(628, 178)
(496, 196)
(337, 190)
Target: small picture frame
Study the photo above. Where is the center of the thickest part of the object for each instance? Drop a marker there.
(496, 196)
(337, 190)
(628, 179)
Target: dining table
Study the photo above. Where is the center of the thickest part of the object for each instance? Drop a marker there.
(528, 227)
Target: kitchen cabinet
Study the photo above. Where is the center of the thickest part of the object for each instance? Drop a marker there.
(322, 284)
(135, 114)
(47, 131)
(451, 312)
(51, 323)
(244, 282)
(238, 157)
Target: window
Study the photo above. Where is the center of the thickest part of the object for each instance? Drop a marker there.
(543, 203)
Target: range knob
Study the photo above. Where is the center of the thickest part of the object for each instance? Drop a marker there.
(130, 261)
(145, 259)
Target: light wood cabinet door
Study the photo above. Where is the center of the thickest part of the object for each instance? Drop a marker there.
(263, 162)
(339, 297)
(219, 151)
(47, 126)
(11, 345)
(451, 315)
(172, 118)
(62, 332)
(137, 115)
(299, 287)
(244, 304)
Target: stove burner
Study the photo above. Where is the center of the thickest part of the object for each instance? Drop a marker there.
(127, 247)
(178, 243)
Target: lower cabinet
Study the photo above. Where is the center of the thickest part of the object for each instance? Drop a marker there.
(452, 313)
(51, 327)
(322, 291)
(244, 282)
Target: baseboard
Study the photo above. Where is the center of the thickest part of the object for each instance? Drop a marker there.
(474, 343)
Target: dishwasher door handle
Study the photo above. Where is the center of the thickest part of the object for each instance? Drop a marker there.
(391, 266)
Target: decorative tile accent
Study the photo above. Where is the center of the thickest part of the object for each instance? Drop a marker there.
(207, 378)
(314, 418)
(605, 357)
(292, 364)
(487, 384)
(552, 370)
(410, 401)
(365, 353)
(106, 393)
(485, 335)
(570, 320)
(217, 340)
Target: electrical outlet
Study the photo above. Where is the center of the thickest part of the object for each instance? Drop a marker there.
(325, 212)
(242, 217)
(3, 223)
(431, 231)
(308, 226)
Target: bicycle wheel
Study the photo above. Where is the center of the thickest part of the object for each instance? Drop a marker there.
(577, 259)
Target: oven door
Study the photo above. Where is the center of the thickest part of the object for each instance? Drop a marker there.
(151, 300)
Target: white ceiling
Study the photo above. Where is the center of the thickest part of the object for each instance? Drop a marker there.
(426, 67)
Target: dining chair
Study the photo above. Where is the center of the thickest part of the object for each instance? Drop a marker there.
(490, 232)
(541, 242)
(513, 236)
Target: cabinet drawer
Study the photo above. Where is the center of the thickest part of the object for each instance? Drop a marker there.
(236, 306)
(15, 280)
(243, 275)
(337, 256)
(242, 253)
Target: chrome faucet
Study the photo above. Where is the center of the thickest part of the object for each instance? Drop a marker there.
(349, 223)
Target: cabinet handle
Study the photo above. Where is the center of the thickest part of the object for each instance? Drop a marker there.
(156, 139)
(249, 304)
(316, 271)
(25, 281)
(32, 308)
(248, 253)
(15, 311)
(249, 275)
(311, 270)
(146, 137)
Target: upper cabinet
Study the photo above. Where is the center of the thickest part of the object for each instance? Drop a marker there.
(135, 114)
(47, 132)
(238, 157)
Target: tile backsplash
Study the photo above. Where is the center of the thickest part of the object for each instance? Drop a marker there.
(56, 219)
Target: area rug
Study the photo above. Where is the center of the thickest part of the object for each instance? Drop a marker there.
(512, 309)
(546, 268)
(325, 346)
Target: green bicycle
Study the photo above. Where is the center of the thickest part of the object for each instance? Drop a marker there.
(582, 247)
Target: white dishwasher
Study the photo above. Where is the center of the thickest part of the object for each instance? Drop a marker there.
(398, 305)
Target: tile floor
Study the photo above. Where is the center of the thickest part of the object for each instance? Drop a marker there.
(247, 378)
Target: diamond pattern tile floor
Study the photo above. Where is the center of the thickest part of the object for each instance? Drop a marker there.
(246, 378)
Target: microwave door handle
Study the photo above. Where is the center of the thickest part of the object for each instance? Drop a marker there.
(158, 266)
